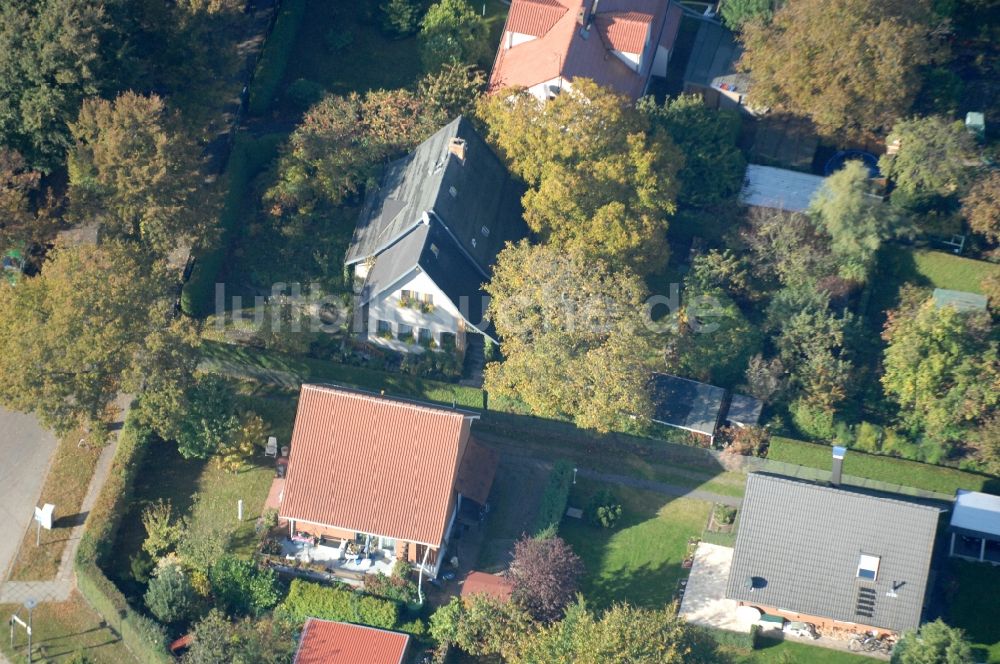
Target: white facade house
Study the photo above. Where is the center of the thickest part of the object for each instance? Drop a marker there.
(427, 239)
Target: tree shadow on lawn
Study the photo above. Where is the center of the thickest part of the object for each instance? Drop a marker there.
(968, 593)
(639, 561)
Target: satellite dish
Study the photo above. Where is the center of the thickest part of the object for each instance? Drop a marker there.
(43, 515)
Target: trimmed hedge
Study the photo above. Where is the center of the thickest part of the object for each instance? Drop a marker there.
(249, 157)
(274, 60)
(881, 468)
(144, 637)
(306, 599)
(555, 497)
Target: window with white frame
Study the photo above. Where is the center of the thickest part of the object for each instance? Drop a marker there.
(868, 567)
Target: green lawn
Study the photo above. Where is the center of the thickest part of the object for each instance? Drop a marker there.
(638, 561)
(790, 652)
(514, 499)
(882, 468)
(926, 269)
(972, 606)
(273, 365)
(65, 487)
(62, 631)
(203, 493)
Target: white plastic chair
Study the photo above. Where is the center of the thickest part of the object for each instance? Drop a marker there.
(272, 447)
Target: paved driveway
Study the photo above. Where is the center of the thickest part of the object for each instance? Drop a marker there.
(25, 450)
(705, 600)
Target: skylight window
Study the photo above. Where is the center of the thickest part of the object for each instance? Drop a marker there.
(868, 567)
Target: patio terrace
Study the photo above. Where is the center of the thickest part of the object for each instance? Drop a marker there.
(328, 560)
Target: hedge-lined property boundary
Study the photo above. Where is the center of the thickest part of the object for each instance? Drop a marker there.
(941, 479)
(555, 497)
(248, 158)
(277, 51)
(306, 599)
(144, 637)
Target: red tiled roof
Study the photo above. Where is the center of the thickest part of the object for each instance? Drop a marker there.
(562, 52)
(624, 31)
(487, 584)
(374, 464)
(534, 17)
(328, 642)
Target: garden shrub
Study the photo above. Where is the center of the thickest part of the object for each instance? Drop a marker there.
(274, 59)
(395, 588)
(306, 599)
(812, 422)
(604, 509)
(241, 588)
(555, 497)
(170, 595)
(724, 515)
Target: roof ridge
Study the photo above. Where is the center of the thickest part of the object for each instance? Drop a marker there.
(847, 490)
(403, 402)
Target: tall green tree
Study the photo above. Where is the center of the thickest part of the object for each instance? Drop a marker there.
(932, 157)
(573, 334)
(856, 64)
(714, 340)
(452, 32)
(942, 368)
(481, 625)
(981, 206)
(601, 178)
(934, 643)
(623, 633)
(24, 216)
(343, 141)
(52, 55)
(400, 17)
(856, 220)
(133, 169)
(737, 12)
(75, 336)
(713, 165)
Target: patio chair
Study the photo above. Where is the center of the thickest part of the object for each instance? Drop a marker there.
(271, 449)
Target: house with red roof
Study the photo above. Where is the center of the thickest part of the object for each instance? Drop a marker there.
(373, 479)
(619, 44)
(330, 642)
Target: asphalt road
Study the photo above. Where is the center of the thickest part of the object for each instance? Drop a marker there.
(25, 450)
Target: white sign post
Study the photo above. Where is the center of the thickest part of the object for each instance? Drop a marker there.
(43, 519)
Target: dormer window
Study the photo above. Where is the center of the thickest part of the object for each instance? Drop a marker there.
(868, 567)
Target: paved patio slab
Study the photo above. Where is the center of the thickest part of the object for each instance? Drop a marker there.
(705, 600)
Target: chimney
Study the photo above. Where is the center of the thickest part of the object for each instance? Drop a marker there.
(456, 146)
(838, 464)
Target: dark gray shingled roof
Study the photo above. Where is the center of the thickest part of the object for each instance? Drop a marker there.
(801, 542)
(687, 404)
(744, 410)
(478, 200)
(435, 213)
